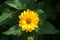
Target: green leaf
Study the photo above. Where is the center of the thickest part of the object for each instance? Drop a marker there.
(41, 5)
(6, 15)
(14, 30)
(30, 4)
(39, 11)
(47, 29)
(16, 4)
(42, 16)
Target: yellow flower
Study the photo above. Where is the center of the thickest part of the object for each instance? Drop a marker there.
(28, 20)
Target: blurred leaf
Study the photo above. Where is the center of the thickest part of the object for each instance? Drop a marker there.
(16, 4)
(14, 30)
(47, 29)
(30, 4)
(42, 16)
(58, 7)
(6, 15)
(41, 5)
(49, 11)
(27, 1)
(39, 11)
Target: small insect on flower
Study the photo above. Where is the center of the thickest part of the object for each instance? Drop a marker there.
(28, 20)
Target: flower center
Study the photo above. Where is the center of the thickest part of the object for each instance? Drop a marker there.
(28, 21)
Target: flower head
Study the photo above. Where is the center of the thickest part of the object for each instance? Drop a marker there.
(28, 20)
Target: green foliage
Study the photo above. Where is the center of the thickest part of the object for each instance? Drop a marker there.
(42, 17)
(11, 9)
(14, 30)
(16, 4)
(6, 15)
(41, 5)
(47, 29)
(50, 13)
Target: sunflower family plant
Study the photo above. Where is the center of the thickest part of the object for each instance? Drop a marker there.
(25, 19)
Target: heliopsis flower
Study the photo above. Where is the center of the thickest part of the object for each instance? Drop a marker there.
(28, 20)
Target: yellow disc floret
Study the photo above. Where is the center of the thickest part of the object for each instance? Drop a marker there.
(28, 20)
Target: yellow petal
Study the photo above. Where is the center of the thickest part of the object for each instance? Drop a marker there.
(28, 20)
